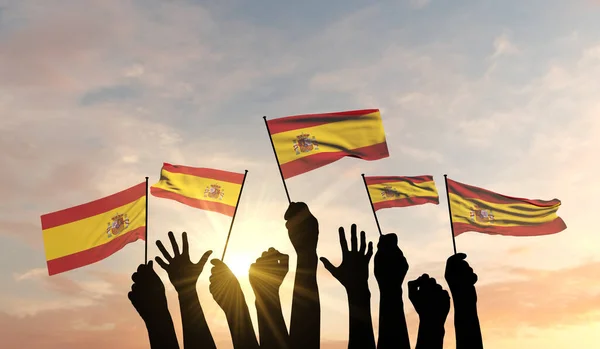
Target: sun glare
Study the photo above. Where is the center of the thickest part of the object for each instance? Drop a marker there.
(239, 264)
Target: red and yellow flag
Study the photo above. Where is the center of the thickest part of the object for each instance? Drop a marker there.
(203, 188)
(392, 191)
(306, 142)
(483, 211)
(88, 233)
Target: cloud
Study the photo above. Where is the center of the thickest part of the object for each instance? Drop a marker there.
(418, 4)
(503, 46)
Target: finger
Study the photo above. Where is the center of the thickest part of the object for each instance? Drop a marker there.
(363, 242)
(174, 244)
(413, 287)
(135, 277)
(185, 246)
(387, 241)
(163, 250)
(369, 251)
(151, 265)
(457, 257)
(130, 296)
(327, 264)
(204, 258)
(215, 262)
(162, 263)
(475, 278)
(353, 240)
(343, 242)
(296, 210)
(284, 261)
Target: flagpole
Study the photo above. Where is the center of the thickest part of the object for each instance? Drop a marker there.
(277, 160)
(450, 214)
(234, 213)
(146, 233)
(371, 202)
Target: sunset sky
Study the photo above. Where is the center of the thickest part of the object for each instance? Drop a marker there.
(97, 94)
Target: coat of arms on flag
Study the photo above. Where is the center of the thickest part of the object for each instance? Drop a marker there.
(119, 223)
(481, 215)
(214, 191)
(305, 144)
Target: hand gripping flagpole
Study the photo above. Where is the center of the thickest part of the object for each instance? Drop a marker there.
(450, 213)
(234, 213)
(371, 202)
(277, 160)
(146, 228)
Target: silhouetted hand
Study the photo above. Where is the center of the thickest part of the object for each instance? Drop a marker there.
(353, 273)
(390, 264)
(267, 274)
(430, 300)
(225, 287)
(147, 292)
(303, 228)
(461, 278)
(183, 273)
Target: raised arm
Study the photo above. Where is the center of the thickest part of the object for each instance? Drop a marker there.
(305, 324)
(461, 280)
(432, 303)
(390, 270)
(148, 298)
(353, 274)
(266, 276)
(184, 274)
(227, 292)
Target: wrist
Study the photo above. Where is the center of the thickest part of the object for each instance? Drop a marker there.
(361, 294)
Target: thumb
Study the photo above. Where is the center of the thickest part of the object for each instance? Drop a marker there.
(327, 264)
(151, 264)
(204, 258)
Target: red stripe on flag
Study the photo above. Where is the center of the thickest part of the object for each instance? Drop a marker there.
(405, 202)
(311, 162)
(196, 203)
(225, 176)
(95, 254)
(295, 122)
(471, 192)
(552, 227)
(390, 179)
(93, 208)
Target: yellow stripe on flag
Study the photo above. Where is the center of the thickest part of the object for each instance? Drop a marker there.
(404, 189)
(198, 187)
(331, 137)
(484, 213)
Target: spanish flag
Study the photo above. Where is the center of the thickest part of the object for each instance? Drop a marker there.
(203, 188)
(387, 192)
(306, 142)
(483, 211)
(88, 233)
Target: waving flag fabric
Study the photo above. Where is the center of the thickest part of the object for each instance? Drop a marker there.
(306, 142)
(393, 191)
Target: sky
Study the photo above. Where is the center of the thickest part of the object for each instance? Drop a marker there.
(96, 95)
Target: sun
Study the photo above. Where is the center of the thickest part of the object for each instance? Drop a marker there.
(239, 264)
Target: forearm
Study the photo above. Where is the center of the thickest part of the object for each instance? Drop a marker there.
(161, 331)
(240, 326)
(196, 334)
(393, 331)
(271, 325)
(431, 335)
(361, 325)
(305, 324)
(466, 324)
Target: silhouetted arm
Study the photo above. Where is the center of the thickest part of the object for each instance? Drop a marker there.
(227, 292)
(353, 274)
(305, 324)
(266, 276)
(432, 303)
(184, 277)
(461, 280)
(390, 270)
(148, 297)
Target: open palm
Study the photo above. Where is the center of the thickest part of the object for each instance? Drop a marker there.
(182, 272)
